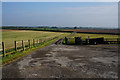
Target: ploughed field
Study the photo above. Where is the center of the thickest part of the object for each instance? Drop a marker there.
(94, 30)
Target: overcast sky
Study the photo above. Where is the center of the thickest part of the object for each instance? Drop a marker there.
(67, 14)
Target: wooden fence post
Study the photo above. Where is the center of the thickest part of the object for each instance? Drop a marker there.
(15, 46)
(66, 40)
(23, 45)
(3, 47)
(29, 43)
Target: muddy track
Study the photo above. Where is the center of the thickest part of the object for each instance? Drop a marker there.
(66, 61)
(59, 42)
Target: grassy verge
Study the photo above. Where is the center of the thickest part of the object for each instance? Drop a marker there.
(17, 55)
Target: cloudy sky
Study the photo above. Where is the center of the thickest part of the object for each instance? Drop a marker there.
(67, 14)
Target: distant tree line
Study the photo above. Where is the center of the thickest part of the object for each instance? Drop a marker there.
(48, 28)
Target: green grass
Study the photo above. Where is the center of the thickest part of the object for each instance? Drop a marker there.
(84, 36)
(16, 55)
(8, 37)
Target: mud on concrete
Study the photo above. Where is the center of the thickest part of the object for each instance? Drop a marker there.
(63, 61)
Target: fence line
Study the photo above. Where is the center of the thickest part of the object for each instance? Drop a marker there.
(29, 45)
(15, 46)
(3, 46)
(23, 45)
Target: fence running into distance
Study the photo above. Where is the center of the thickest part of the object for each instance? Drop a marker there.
(22, 45)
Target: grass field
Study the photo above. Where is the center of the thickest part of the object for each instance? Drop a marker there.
(19, 35)
(9, 36)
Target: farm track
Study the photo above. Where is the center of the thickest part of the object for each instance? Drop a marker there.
(59, 42)
(66, 61)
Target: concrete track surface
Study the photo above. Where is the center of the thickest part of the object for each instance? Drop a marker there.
(66, 61)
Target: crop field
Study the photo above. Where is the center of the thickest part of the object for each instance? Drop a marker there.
(95, 31)
(9, 36)
(84, 36)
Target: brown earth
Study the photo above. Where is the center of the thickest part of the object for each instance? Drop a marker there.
(94, 30)
(66, 61)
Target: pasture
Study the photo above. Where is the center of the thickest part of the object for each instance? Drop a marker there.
(9, 36)
(41, 39)
(18, 35)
